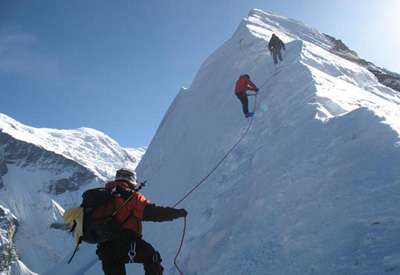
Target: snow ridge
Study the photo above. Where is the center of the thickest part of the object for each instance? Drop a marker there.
(314, 182)
(88, 147)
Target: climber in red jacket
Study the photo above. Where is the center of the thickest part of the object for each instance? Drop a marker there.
(243, 84)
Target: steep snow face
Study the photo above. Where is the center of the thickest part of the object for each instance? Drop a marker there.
(314, 186)
(43, 171)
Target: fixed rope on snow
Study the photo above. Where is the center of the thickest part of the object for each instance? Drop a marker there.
(204, 179)
(223, 158)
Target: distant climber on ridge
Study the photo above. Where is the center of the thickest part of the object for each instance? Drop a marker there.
(275, 46)
(242, 85)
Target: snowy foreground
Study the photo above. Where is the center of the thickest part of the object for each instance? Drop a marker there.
(312, 189)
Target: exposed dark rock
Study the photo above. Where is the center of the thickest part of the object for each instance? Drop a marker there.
(3, 171)
(71, 183)
(62, 185)
(3, 168)
(7, 250)
(385, 77)
(339, 46)
(24, 154)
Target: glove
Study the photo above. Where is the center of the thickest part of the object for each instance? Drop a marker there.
(182, 213)
(256, 90)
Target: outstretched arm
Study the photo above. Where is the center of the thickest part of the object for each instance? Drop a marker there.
(156, 213)
(252, 86)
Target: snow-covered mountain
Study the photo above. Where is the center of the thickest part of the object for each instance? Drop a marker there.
(313, 188)
(43, 171)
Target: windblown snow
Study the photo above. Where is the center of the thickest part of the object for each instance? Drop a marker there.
(312, 189)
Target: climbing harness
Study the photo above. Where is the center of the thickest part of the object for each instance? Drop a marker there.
(132, 252)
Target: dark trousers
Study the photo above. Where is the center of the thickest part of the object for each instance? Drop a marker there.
(115, 254)
(242, 96)
(276, 53)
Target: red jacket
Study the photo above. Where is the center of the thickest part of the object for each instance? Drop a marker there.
(130, 215)
(138, 208)
(243, 84)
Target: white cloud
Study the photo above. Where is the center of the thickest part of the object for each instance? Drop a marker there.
(21, 53)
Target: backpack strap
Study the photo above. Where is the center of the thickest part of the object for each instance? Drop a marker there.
(122, 205)
(130, 215)
(75, 250)
(73, 226)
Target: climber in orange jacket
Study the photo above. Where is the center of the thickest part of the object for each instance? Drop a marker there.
(128, 246)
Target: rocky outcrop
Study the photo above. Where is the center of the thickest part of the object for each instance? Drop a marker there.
(8, 226)
(385, 77)
(71, 183)
(3, 171)
(23, 154)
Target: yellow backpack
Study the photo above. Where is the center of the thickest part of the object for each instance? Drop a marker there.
(74, 217)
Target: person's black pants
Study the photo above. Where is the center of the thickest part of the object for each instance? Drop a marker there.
(244, 100)
(115, 254)
(276, 53)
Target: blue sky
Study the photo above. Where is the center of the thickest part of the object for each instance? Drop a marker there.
(117, 65)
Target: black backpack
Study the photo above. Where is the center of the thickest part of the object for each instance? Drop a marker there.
(100, 229)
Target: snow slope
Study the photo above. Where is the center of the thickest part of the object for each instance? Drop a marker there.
(313, 188)
(43, 171)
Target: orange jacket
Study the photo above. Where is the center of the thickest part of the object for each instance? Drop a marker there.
(136, 210)
(243, 84)
(131, 214)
